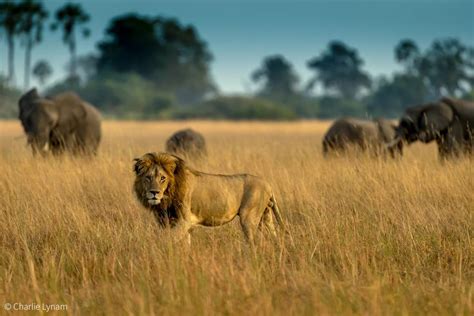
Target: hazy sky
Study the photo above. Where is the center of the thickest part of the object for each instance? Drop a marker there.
(241, 33)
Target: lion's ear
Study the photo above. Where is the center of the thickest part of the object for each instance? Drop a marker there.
(136, 166)
(173, 165)
(140, 166)
(170, 166)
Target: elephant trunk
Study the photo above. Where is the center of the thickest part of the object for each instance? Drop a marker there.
(394, 142)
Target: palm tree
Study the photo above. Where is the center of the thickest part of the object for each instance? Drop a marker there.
(42, 71)
(32, 18)
(9, 23)
(69, 17)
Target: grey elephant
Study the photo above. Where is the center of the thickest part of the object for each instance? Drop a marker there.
(365, 135)
(187, 143)
(449, 122)
(60, 123)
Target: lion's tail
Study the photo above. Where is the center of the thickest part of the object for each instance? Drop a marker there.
(277, 213)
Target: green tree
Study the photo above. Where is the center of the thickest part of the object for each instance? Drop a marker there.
(130, 46)
(407, 53)
(171, 55)
(392, 97)
(338, 69)
(70, 17)
(185, 60)
(32, 18)
(42, 71)
(469, 96)
(278, 76)
(331, 107)
(237, 108)
(446, 67)
(86, 66)
(8, 99)
(9, 24)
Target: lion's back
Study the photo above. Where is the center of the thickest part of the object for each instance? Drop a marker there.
(234, 188)
(256, 182)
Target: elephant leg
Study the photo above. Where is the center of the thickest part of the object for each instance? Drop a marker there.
(59, 142)
(449, 146)
(57, 147)
(469, 147)
(444, 150)
(391, 151)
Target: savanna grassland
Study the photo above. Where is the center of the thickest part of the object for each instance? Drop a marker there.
(369, 236)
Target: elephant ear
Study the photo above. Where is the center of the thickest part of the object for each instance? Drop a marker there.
(27, 102)
(435, 118)
(71, 111)
(386, 129)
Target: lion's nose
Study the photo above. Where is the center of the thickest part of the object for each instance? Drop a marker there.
(155, 192)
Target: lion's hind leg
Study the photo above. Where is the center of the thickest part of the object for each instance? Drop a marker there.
(267, 222)
(249, 223)
(251, 214)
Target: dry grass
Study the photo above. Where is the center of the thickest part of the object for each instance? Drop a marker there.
(372, 237)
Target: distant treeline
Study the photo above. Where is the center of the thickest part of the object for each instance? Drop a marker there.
(158, 68)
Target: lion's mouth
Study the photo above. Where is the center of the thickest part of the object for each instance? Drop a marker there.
(153, 201)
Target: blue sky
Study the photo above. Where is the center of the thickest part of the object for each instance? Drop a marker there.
(241, 33)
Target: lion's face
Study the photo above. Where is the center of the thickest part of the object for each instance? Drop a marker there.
(155, 182)
(154, 175)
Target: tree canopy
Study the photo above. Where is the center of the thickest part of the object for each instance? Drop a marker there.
(42, 70)
(392, 96)
(32, 18)
(10, 14)
(446, 67)
(278, 77)
(338, 69)
(69, 18)
(171, 55)
(149, 67)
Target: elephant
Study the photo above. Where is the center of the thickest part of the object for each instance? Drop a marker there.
(62, 123)
(187, 143)
(448, 121)
(371, 135)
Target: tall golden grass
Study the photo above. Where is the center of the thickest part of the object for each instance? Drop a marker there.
(370, 236)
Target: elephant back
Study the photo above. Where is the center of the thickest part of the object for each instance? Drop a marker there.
(71, 110)
(350, 129)
(463, 109)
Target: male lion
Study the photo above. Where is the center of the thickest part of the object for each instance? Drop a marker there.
(181, 197)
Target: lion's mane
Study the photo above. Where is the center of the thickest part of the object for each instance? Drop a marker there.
(169, 209)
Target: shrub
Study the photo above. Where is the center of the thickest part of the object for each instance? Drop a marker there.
(122, 95)
(333, 107)
(8, 100)
(237, 108)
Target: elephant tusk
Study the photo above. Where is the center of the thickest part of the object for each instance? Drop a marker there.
(46, 147)
(393, 142)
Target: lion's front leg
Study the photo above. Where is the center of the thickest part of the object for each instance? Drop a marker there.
(180, 232)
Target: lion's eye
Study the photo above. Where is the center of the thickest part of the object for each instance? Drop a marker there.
(162, 178)
(149, 178)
